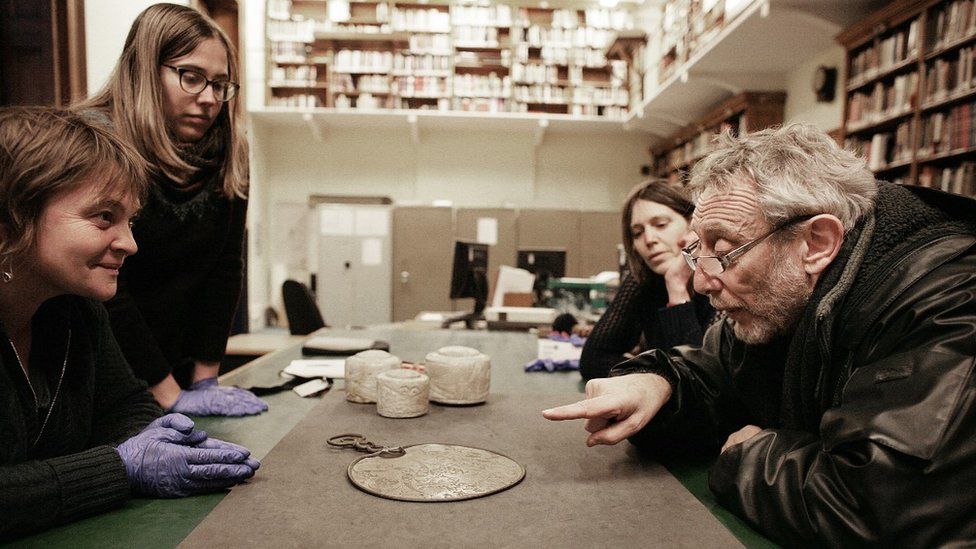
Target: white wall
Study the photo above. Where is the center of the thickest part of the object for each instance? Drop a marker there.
(107, 23)
(801, 102)
(469, 168)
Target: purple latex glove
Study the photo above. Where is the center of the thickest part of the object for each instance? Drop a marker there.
(549, 365)
(206, 398)
(575, 339)
(170, 459)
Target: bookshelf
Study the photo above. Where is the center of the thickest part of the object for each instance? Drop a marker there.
(445, 57)
(630, 47)
(911, 93)
(741, 114)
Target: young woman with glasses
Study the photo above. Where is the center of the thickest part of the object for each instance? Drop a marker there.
(174, 97)
(655, 307)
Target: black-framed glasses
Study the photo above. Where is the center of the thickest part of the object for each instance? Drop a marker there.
(714, 265)
(194, 82)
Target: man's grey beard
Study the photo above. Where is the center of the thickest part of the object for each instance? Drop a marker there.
(777, 304)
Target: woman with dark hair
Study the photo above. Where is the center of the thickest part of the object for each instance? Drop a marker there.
(173, 97)
(655, 307)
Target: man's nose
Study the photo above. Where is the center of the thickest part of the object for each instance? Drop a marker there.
(705, 283)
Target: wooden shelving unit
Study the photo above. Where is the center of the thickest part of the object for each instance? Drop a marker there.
(910, 104)
(368, 55)
(744, 113)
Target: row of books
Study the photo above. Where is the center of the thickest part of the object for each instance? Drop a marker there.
(409, 62)
(675, 31)
(421, 20)
(699, 145)
(946, 77)
(942, 132)
(367, 83)
(363, 60)
(422, 86)
(884, 100)
(884, 149)
(498, 14)
(948, 131)
(551, 55)
(295, 73)
(363, 101)
(582, 37)
(960, 179)
(894, 49)
(299, 101)
(950, 22)
(535, 74)
(599, 18)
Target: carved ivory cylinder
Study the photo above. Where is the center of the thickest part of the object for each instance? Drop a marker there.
(402, 393)
(361, 371)
(458, 375)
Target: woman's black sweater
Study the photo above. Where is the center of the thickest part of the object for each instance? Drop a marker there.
(59, 431)
(640, 308)
(177, 295)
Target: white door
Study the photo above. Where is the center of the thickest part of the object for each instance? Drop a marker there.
(353, 282)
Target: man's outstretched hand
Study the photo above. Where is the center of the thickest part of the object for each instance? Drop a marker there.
(616, 408)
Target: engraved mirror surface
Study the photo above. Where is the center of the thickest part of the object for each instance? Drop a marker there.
(434, 472)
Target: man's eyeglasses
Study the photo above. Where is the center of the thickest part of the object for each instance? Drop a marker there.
(193, 82)
(714, 265)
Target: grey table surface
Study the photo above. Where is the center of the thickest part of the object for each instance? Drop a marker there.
(571, 495)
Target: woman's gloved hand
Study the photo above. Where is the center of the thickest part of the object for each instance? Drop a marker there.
(170, 459)
(206, 398)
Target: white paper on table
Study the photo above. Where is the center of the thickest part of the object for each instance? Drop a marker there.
(351, 345)
(558, 350)
(313, 387)
(487, 231)
(372, 251)
(334, 368)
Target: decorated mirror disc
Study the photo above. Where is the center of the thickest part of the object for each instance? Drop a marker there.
(435, 472)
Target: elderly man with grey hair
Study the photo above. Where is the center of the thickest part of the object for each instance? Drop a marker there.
(839, 390)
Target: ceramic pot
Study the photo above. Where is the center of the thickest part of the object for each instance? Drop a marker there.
(458, 375)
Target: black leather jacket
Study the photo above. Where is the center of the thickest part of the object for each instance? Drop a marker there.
(890, 457)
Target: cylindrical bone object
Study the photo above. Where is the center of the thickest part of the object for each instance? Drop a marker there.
(402, 393)
(458, 375)
(361, 371)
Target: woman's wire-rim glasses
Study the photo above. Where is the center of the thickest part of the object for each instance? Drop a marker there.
(714, 265)
(194, 82)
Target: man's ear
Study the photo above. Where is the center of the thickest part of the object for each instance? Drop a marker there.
(823, 238)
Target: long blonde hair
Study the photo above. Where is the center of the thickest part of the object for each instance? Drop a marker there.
(133, 95)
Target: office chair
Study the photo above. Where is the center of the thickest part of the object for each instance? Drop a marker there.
(300, 308)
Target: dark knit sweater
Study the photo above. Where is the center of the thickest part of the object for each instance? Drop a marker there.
(177, 295)
(58, 461)
(641, 309)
